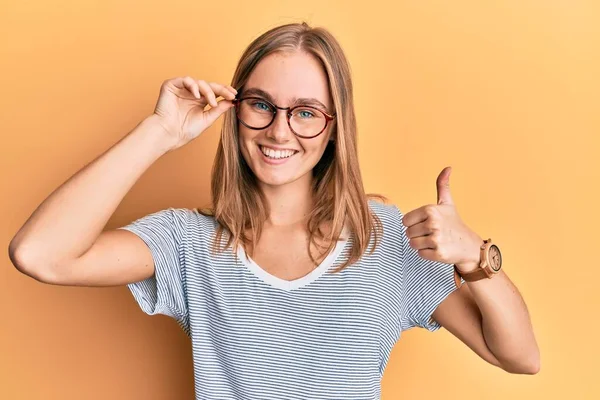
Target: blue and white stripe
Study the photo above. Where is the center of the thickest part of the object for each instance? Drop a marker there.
(254, 336)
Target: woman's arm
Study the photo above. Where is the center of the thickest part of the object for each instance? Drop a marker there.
(488, 315)
(63, 242)
(69, 221)
(491, 317)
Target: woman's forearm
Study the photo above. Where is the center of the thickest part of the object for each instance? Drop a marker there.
(506, 324)
(69, 220)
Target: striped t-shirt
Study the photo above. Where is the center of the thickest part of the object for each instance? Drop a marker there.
(254, 336)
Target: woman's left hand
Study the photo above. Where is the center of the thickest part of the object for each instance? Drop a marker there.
(437, 232)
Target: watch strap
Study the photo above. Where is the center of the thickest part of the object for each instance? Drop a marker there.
(468, 277)
(472, 276)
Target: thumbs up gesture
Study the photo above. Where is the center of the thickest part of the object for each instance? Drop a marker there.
(437, 232)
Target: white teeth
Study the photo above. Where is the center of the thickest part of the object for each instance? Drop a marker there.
(276, 153)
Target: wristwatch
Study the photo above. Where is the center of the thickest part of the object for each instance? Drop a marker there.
(490, 264)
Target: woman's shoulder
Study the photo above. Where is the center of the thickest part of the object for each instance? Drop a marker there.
(181, 219)
(193, 224)
(384, 210)
(203, 218)
(390, 217)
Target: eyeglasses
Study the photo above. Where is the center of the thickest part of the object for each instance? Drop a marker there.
(305, 121)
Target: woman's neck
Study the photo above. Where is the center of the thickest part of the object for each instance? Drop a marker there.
(289, 204)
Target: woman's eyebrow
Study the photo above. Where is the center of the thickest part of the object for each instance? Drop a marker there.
(310, 102)
(304, 100)
(257, 92)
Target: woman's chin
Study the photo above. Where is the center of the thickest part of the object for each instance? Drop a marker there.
(275, 180)
(280, 178)
(278, 175)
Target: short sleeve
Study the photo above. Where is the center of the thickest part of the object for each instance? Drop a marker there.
(166, 291)
(425, 285)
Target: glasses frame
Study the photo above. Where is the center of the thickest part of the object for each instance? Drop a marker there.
(290, 110)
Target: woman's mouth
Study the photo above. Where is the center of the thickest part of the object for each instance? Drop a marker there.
(272, 156)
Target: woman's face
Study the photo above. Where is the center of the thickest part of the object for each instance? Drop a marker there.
(286, 80)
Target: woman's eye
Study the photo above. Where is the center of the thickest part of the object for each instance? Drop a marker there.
(305, 114)
(261, 105)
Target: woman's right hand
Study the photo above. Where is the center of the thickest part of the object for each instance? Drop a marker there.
(180, 107)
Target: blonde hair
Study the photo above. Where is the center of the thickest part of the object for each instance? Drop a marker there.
(338, 193)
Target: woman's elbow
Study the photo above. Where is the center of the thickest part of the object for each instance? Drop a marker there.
(529, 365)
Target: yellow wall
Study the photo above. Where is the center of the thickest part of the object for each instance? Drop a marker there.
(506, 92)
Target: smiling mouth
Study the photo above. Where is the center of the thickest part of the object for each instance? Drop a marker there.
(277, 154)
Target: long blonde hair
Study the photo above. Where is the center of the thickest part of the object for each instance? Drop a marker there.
(338, 193)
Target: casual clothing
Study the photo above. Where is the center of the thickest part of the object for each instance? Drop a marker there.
(255, 336)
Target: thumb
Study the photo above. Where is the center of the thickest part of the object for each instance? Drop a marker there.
(443, 187)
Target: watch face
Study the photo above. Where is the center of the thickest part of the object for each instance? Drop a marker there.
(495, 258)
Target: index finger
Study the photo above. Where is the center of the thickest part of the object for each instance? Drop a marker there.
(414, 217)
(223, 90)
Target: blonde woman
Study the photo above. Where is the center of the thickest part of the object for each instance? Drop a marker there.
(295, 284)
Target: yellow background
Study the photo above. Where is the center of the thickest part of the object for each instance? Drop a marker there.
(506, 92)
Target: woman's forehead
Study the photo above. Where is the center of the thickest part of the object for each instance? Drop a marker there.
(290, 76)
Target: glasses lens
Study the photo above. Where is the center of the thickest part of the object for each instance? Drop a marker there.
(255, 113)
(307, 121)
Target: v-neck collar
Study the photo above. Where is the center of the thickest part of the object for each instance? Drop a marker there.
(284, 284)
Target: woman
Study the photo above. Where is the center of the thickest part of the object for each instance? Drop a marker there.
(295, 284)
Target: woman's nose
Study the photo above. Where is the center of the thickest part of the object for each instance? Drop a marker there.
(279, 130)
